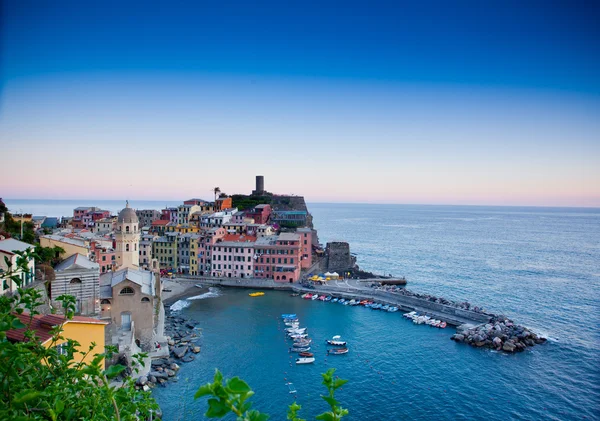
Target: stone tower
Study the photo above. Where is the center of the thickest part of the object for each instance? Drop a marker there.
(127, 238)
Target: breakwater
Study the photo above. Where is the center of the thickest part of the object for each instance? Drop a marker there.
(475, 326)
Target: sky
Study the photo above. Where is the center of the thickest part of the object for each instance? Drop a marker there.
(433, 102)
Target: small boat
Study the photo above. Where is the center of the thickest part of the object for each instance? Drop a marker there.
(302, 342)
(291, 387)
(393, 309)
(307, 296)
(303, 349)
(409, 315)
(336, 341)
(376, 306)
(294, 333)
(292, 322)
(328, 298)
(295, 329)
(322, 297)
(314, 297)
(256, 294)
(299, 335)
(335, 300)
(364, 302)
(352, 302)
(306, 354)
(442, 325)
(337, 351)
(385, 307)
(308, 360)
(288, 316)
(342, 300)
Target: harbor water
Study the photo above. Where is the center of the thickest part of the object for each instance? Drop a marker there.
(540, 266)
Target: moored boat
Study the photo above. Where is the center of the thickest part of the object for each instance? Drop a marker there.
(328, 298)
(385, 307)
(295, 329)
(308, 360)
(256, 294)
(409, 315)
(337, 351)
(288, 316)
(314, 297)
(302, 349)
(442, 325)
(336, 341)
(322, 297)
(306, 354)
(335, 300)
(307, 296)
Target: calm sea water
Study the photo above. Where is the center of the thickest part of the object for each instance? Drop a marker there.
(540, 266)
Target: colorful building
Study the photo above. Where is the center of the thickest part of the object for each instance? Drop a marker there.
(77, 276)
(8, 251)
(306, 239)
(260, 214)
(164, 249)
(84, 330)
(278, 257)
(232, 257)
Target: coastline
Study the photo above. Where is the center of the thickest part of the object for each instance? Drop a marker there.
(178, 290)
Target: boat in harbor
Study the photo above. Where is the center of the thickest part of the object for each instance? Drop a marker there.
(295, 329)
(334, 300)
(336, 341)
(256, 294)
(306, 354)
(307, 296)
(337, 351)
(442, 325)
(322, 297)
(308, 360)
(291, 387)
(393, 309)
(409, 315)
(342, 300)
(298, 335)
(328, 298)
(385, 307)
(298, 350)
(314, 297)
(302, 342)
(288, 316)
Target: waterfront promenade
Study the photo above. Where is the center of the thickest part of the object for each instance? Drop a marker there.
(357, 289)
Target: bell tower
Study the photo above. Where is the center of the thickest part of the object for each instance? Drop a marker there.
(127, 238)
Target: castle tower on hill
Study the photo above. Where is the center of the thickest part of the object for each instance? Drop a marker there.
(127, 239)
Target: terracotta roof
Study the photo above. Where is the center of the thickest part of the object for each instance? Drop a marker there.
(160, 222)
(43, 324)
(239, 238)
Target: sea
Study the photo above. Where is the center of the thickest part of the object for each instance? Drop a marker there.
(539, 266)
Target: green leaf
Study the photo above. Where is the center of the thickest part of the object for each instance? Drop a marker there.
(27, 395)
(204, 391)
(216, 409)
(339, 383)
(18, 324)
(114, 370)
(330, 400)
(59, 407)
(218, 376)
(254, 415)
(238, 386)
(326, 416)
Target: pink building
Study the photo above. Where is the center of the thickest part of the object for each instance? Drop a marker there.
(169, 214)
(206, 249)
(233, 256)
(104, 256)
(306, 240)
(278, 257)
(260, 214)
(194, 202)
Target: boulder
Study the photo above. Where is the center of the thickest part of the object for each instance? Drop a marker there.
(141, 381)
(169, 372)
(458, 337)
(152, 379)
(479, 344)
(158, 362)
(497, 342)
(509, 347)
(196, 349)
(158, 375)
(174, 367)
(180, 351)
(145, 388)
(188, 358)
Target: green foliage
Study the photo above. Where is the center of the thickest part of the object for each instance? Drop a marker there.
(243, 202)
(13, 228)
(231, 396)
(39, 383)
(48, 255)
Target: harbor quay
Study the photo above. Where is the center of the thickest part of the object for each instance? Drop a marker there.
(356, 289)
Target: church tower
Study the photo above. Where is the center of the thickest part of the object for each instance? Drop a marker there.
(127, 239)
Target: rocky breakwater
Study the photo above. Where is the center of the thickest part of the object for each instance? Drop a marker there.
(500, 334)
(183, 337)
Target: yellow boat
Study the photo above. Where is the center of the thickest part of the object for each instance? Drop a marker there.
(256, 294)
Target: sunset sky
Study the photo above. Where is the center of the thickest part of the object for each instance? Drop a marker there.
(424, 102)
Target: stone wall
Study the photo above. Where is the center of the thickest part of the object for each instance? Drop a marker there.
(338, 256)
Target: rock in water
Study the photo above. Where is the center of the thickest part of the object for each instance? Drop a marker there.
(180, 352)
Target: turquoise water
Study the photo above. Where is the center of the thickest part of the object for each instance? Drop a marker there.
(539, 266)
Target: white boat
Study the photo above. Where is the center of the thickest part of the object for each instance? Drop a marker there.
(299, 336)
(303, 349)
(352, 302)
(336, 341)
(314, 297)
(409, 315)
(393, 309)
(308, 360)
(296, 330)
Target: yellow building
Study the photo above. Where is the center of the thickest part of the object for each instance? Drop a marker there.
(164, 249)
(71, 246)
(194, 248)
(84, 330)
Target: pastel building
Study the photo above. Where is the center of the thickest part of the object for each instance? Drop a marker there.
(233, 257)
(8, 251)
(260, 214)
(147, 216)
(184, 212)
(306, 239)
(278, 257)
(146, 242)
(77, 276)
(127, 238)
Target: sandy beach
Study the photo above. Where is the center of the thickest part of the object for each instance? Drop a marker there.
(174, 290)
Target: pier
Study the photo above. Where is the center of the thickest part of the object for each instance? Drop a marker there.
(356, 289)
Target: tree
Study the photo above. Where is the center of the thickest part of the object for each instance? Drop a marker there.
(216, 191)
(39, 383)
(48, 255)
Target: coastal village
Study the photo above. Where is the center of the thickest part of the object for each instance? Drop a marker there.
(117, 267)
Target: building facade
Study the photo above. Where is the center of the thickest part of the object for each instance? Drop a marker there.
(127, 238)
(77, 276)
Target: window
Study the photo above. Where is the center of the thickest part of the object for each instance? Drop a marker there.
(145, 300)
(104, 258)
(127, 228)
(126, 247)
(127, 291)
(292, 260)
(105, 302)
(62, 348)
(75, 281)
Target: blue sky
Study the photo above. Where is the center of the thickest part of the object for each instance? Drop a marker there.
(493, 103)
